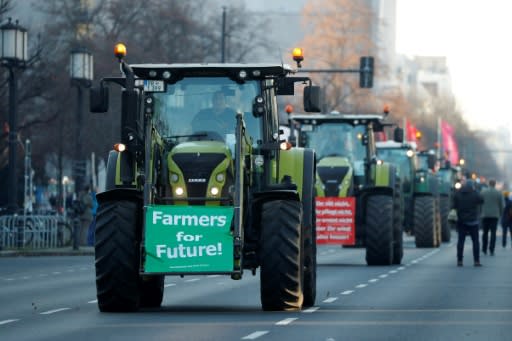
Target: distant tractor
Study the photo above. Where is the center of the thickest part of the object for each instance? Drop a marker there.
(191, 192)
(348, 166)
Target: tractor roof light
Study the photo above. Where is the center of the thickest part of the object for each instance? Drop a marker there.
(298, 56)
(119, 147)
(120, 51)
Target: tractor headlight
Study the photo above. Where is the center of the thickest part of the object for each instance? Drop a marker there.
(422, 179)
(179, 191)
(214, 191)
(220, 177)
(174, 177)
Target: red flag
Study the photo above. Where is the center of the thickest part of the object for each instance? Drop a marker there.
(450, 147)
(410, 132)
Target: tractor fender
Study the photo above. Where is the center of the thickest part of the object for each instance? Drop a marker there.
(120, 170)
(298, 165)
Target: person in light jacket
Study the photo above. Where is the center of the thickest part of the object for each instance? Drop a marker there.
(492, 209)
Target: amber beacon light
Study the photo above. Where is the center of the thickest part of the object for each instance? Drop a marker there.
(120, 50)
(298, 55)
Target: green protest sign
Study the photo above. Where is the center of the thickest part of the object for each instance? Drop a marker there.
(188, 239)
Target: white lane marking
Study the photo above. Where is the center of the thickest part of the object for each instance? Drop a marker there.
(54, 311)
(213, 276)
(56, 273)
(373, 280)
(393, 272)
(286, 321)
(25, 277)
(347, 292)
(359, 286)
(93, 301)
(9, 279)
(330, 299)
(401, 268)
(414, 261)
(383, 275)
(8, 321)
(43, 275)
(71, 270)
(311, 310)
(192, 280)
(169, 285)
(255, 335)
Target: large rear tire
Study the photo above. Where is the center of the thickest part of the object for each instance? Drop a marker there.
(280, 255)
(379, 230)
(425, 231)
(117, 256)
(398, 237)
(444, 204)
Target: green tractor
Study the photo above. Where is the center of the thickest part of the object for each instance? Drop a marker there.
(348, 166)
(449, 177)
(426, 201)
(191, 192)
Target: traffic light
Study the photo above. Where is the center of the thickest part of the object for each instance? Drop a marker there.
(366, 72)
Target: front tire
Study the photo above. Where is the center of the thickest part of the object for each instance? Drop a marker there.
(425, 230)
(117, 255)
(280, 255)
(379, 230)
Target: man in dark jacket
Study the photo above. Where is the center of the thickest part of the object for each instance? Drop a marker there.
(492, 209)
(467, 203)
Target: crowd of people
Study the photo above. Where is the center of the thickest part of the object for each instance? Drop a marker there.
(483, 210)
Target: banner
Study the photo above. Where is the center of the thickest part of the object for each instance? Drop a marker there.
(335, 220)
(188, 239)
(410, 132)
(449, 143)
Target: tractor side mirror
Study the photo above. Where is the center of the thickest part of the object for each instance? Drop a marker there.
(98, 98)
(398, 135)
(312, 98)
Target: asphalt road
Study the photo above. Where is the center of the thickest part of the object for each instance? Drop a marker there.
(426, 298)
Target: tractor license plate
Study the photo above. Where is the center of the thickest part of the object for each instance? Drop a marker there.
(154, 86)
(180, 239)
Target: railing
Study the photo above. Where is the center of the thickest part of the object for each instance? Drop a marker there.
(34, 231)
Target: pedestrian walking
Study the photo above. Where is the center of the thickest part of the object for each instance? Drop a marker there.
(86, 204)
(492, 209)
(506, 220)
(467, 203)
(92, 226)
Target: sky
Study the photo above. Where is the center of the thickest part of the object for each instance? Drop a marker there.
(476, 38)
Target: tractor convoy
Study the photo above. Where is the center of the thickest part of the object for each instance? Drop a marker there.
(203, 182)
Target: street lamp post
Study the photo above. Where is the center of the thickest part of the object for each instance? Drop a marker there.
(13, 55)
(81, 72)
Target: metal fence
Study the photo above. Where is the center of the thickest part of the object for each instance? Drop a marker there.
(31, 231)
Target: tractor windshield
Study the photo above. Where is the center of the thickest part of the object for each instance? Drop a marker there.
(336, 139)
(398, 157)
(205, 108)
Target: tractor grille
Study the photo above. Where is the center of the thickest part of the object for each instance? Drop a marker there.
(331, 178)
(197, 169)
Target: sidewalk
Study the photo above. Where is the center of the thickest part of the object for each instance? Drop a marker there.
(61, 251)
